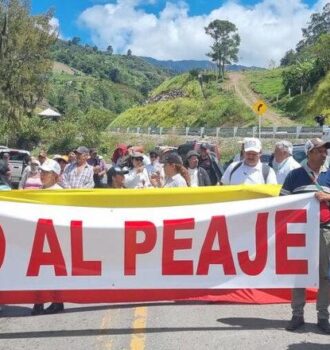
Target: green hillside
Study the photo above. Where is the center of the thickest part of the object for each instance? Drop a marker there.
(182, 101)
(302, 108)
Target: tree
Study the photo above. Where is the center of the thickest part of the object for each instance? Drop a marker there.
(289, 58)
(319, 24)
(109, 50)
(25, 63)
(75, 40)
(226, 43)
(129, 52)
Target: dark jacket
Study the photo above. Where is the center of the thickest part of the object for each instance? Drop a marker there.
(203, 177)
(212, 167)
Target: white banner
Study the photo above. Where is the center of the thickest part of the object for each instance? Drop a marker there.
(260, 243)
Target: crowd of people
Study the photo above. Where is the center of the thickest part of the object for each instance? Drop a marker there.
(131, 168)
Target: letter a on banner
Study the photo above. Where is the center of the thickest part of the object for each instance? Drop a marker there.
(45, 230)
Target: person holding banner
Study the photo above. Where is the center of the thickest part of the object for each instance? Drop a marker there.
(250, 171)
(50, 172)
(313, 177)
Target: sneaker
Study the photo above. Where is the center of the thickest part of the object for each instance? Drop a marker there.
(38, 309)
(295, 323)
(54, 308)
(323, 325)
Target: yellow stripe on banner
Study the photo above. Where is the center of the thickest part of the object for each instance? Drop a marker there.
(139, 326)
(133, 198)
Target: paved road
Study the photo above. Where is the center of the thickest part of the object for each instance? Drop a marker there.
(159, 326)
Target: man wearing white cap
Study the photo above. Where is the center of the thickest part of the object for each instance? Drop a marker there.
(283, 161)
(50, 172)
(249, 171)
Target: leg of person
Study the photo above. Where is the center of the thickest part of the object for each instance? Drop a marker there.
(38, 309)
(297, 304)
(54, 308)
(324, 287)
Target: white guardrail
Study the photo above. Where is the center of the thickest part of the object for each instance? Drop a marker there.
(293, 132)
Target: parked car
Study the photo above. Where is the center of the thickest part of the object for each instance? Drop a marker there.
(18, 160)
(195, 145)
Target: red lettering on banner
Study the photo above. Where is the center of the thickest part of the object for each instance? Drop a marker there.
(2, 246)
(223, 256)
(256, 266)
(284, 240)
(132, 247)
(81, 267)
(171, 244)
(45, 230)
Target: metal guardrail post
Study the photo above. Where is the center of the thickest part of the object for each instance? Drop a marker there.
(187, 131)
(118, 129)
(235, 131)
(138, 130)
(254, 131)
(127, 131)
(298, 131)
(274, 131)
(217, 132)
(160, 131)
(149, 131)
(202, 131)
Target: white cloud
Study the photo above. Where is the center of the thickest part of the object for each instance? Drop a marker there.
(267, 29)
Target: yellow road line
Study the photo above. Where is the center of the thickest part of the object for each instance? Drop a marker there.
(139, 323)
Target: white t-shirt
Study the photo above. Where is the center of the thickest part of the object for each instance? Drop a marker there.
(282, 169)
(175, 181)
(54, 187)
(247, 175)
(137, 180)
(193, 173)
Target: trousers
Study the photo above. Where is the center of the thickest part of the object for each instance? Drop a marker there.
(298, 294)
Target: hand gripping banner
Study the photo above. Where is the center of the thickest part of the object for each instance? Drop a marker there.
(139, 245)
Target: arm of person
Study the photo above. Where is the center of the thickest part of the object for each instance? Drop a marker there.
(322, 196)
(225, 180)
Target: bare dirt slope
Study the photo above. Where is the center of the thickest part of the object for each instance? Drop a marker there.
(238, 83)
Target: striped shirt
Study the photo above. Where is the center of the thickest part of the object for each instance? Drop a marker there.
(72, 179)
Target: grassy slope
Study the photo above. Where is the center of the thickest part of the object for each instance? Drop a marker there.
(303, 108)
(217, 108)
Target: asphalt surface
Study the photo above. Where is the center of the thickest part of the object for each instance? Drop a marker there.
(159, 326)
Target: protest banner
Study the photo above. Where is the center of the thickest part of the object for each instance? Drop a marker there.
(154, 250)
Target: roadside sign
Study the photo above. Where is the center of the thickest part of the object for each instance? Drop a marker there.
(260, 107)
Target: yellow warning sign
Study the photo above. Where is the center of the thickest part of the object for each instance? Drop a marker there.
(260, 107)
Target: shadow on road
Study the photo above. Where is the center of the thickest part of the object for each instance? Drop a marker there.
(309, 346)
(15, 311)
(252, 323)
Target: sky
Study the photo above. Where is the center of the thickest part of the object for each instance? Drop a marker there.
(168, 29)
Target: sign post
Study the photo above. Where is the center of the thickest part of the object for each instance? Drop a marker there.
(260, 108)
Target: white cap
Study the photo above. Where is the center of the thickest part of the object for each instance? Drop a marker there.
(252, 144)
(51, 165)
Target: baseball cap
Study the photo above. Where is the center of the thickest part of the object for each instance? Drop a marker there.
(59, 157)
(173, 158)
(192, 153)
(204, 145)
(252, 144)
(137, 155)
(315, 143)
(51, 165)
(82, 150)
(116, 170)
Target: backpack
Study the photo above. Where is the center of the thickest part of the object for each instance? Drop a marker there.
(265, 170)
